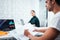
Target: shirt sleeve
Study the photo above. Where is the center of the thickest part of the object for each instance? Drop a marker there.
(55, 23)
(37, 23)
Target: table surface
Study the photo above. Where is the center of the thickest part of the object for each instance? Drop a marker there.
(18, 33)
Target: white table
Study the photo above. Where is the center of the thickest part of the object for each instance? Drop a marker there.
(18, 33)
(6, 37)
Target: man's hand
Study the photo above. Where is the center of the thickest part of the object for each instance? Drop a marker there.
(26, 33)
(33, 37)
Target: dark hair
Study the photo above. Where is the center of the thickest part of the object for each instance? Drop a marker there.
(50, 0)
(58, 2)
(33, 11)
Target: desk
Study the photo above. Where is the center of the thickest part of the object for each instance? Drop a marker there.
(20, 30)
(7, 37)
(18, 33)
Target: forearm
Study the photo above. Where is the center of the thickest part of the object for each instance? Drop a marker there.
(38, 38)
(47, 35)
(42, 30)
(50, 34)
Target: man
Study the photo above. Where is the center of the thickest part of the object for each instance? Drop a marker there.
(34, 20)
(53, 31)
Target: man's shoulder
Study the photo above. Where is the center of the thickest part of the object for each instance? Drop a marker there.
(57, 15)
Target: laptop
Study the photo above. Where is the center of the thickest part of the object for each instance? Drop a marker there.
(22, 21)
(7, 24)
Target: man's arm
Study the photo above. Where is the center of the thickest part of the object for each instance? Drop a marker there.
(50, 34)
(41, 30)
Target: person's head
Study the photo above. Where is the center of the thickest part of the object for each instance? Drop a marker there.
(52, 5)
(32, 12)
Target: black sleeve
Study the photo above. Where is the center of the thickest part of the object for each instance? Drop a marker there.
(37, 23)
(32, 21)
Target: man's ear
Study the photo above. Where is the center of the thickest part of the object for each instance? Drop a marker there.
(53, 2)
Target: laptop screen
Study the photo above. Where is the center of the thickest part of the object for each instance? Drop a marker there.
(7, 24)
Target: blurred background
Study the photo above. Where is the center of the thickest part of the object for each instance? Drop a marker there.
(21, 10)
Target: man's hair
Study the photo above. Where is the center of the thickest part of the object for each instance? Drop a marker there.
(58, 2)
(33, 11)
(50, 0)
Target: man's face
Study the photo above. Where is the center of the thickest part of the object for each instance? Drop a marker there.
(49, 5)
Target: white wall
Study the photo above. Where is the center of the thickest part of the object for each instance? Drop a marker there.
(18, 9)
(42, 12)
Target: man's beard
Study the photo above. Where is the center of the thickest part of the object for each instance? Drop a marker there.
(50, 9)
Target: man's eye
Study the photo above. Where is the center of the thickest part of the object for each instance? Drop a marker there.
(45, 1)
